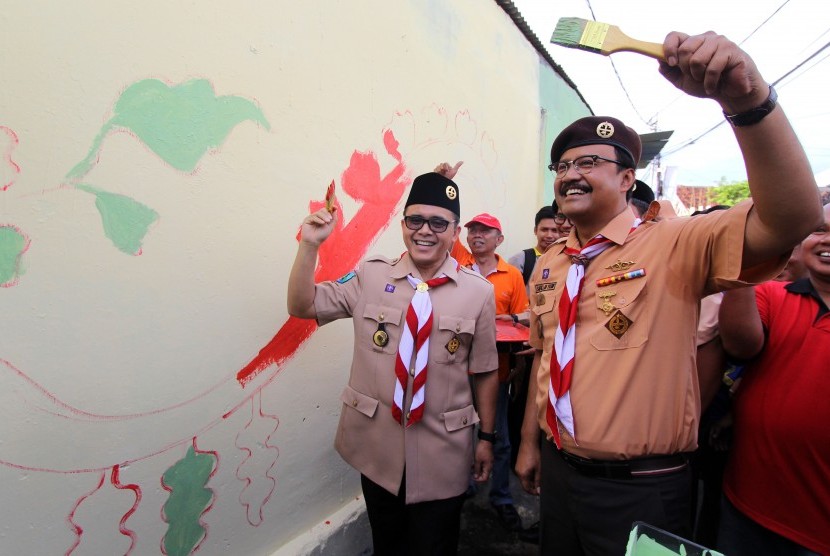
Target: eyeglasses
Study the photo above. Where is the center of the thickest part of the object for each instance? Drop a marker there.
(436, 224)
(560, 218)
(583, 165)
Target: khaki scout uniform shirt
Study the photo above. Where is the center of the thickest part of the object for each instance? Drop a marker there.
(634, 388)
(436, 452)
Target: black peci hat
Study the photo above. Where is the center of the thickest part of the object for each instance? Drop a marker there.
(435, 190)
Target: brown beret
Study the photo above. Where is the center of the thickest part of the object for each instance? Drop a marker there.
(597, 130)
(435, 190)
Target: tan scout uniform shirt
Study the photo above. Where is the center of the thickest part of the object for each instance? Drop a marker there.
(635, 393)
(436, 452)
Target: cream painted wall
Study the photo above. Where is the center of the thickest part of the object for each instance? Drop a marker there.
(157, 159)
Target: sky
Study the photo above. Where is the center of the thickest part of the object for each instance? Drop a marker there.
(778, 34)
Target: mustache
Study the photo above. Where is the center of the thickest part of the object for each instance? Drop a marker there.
(584, 187)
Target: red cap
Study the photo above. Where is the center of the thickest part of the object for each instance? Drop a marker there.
(485, 220)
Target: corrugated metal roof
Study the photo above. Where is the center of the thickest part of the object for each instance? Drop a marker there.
(511, 10)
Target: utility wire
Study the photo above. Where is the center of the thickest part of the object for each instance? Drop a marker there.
(720, 123)
(617, 73)
(764, 22)
(678, 97)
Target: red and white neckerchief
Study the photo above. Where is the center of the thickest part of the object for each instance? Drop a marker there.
(564, 342)
(415, 338)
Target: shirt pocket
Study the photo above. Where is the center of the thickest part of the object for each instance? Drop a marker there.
(455, 335)
(458, 419)
(375, 315)
(622, 315)
(359, 401)
(543, 316)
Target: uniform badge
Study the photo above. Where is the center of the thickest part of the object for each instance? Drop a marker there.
(619, 324)
(380, 338)
(545, 287)
(545, 273)
(605, 130)
(389, 288)
(346, 277)
(620, 265)
(453, 345)
(616, 278)
(451, 192)
(607, 307)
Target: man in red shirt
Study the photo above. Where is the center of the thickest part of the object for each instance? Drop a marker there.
(777, 482)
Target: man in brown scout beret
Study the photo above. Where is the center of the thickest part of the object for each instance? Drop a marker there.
(421, 322)
(614, 308)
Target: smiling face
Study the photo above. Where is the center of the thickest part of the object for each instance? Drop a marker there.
(426, 248)
(815, 251)
(592, 200)
(483, 240)
(546, 233)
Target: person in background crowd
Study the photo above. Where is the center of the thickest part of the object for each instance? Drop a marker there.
(421, 323)
(484, 235)
(641, 197)
(777, 480)
(563, 223)
(546, 231)
(614, 308)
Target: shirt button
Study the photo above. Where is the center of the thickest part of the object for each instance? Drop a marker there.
(464, 421)
(412, 371)
(407, 416)
(354, 403)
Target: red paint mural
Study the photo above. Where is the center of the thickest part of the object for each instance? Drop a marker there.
(345, 247)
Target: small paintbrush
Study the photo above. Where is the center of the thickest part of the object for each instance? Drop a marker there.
(601, 38)
(330, 206)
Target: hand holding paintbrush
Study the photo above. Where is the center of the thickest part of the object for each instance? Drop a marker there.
(707, 65)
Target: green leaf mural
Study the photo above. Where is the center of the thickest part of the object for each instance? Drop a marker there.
(125, 220)
(178, 123)
(188, 499)
(12, 245)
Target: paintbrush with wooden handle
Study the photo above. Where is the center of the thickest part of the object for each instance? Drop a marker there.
(601, 38)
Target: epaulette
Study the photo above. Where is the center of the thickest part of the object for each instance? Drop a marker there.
(382, 259)
(472, 272)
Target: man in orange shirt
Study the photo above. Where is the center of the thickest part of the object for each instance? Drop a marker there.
(484, 235)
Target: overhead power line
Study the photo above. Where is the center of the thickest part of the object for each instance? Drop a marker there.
(678, 97)
(721, 122)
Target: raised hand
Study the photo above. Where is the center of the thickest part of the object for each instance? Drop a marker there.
(317, 226)
(712, 66)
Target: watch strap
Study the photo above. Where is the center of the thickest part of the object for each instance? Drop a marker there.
(488, 436)
(755, 115)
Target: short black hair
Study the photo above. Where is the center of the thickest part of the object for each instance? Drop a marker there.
(544, 212)
(713, 208)
(624, 159)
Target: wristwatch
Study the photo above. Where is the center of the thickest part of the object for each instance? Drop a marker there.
(488, 436)
(757, 114)
(515, 318)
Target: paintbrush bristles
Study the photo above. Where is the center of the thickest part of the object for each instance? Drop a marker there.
(568, 32)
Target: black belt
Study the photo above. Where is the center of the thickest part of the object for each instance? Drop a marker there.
(626, 469)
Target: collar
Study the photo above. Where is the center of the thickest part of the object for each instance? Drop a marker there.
(805, 286)
(501, 265)
(404, 267)
(616, 230)
(537, 252)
